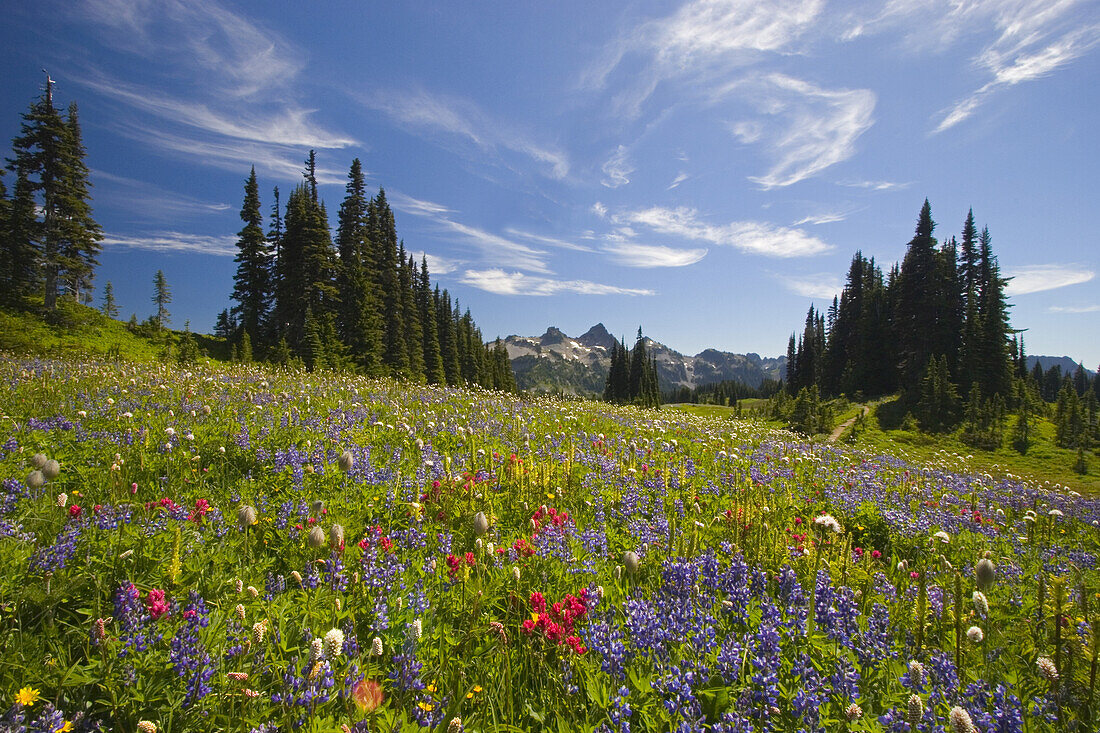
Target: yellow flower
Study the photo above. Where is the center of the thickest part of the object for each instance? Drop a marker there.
(65, 728)
(425, 706)
(27, 696)
(477, 688)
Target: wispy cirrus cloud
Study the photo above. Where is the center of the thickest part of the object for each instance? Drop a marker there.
(820, 285)
(617, 169)
(437, 265)
(493, 247)
(499, 281)
(748, 236)
(702, 41)
(167, 241)
(1037, 278)
(461, 119)
(826, 217)
(1074, 309)
(653, 255)
(240, 81)
(680, 178)
(875, 185)
(149, 201)
(819, 127)
(548, 241)
(1015, 42)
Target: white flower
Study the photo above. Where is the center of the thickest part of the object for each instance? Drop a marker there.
(942, 537)
(334, 643)
(975, 635)
(828, 522)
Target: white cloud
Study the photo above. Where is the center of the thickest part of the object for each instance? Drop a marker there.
(823, 286)
(1037, 278)
(820, 126)
(617, 169)
(680, 178)
(874, 185)
(222, 245)
(748, 236)
(463, 119)
(437, 265)
(1074, 309)
(493, 247)
(650, 255)
(599, 210)
(828, 217)
(549, 241)
(517, 283)
(704, 39)
(149, 201)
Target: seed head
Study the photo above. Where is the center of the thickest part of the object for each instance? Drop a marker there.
(630, 561)
(316, 537)
(297, 578)
(35, 480)
(38, 460)
(246, 515)
(336, 535)
(481, 524)
(317, 508)
(346, 461)
(985, 572)
(51, 470)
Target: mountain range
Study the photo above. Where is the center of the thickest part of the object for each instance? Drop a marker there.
(557, 363)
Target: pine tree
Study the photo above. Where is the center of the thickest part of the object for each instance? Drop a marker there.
(383, 234)
(360, 324)
(408, 274)
(915, 315)
(252, 282)
(225, 326)
(433, 355)
(448, 337)
(162, 296)
(994, 370)
(80, 233)
(22, 237)
(110, 307)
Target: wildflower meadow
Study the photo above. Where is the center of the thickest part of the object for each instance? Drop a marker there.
(238, 549)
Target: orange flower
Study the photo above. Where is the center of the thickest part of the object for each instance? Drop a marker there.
(367, 695)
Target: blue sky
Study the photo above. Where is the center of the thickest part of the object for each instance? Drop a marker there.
(703, 169)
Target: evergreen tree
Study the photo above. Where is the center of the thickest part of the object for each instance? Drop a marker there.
(915, 317)
(408, 274)
(994, 369)
(244, 353)
(383, 234)
(162, 296)
(51, 173)
(448, 337)
(939, 400)
(110, 307)
(360, 325)
(225, 326)
(638, 363)
(22, 237)
(433, 356)
(252, 282)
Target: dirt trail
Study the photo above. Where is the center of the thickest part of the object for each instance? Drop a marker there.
(839, 430)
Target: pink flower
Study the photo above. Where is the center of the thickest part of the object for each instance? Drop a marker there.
(74, 511)
(155, 604)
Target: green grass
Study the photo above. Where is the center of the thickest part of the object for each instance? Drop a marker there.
(76, 330)
(1044, 461)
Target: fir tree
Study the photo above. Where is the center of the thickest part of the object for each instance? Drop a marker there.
(433, 356)
(244, 352)
(408, 274)
(994, 370)
(53, 178)
(252, 282)
(915, 317)
(22, 238)
(225, 326)
(360, 325)
(383, 234)
(162, 296)
(109, 307)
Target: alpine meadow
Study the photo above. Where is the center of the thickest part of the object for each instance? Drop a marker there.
(277, 457)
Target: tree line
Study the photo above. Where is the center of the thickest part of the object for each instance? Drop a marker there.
(936, 329)
(358, 301)
(49, 240)
(632, 376)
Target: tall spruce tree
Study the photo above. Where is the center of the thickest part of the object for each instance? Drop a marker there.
(49, 163)
(252, 282)
(994, 369)
(360, 323)
(383, 234)
(408, 274)
(110, 307)
(915, 315)
(433, 355)
(162, 296)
